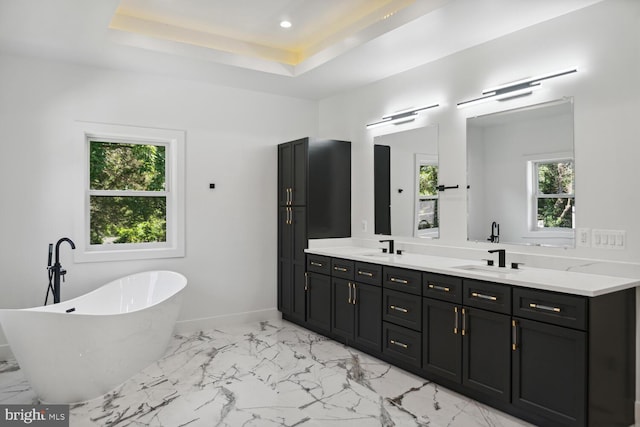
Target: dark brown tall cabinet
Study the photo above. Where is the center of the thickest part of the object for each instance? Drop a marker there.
(314, 202)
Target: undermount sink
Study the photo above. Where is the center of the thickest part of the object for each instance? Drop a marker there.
(487, 269)
(377, 255)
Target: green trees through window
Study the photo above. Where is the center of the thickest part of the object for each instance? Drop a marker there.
(428, 197)
(127, 193)
(555, 194)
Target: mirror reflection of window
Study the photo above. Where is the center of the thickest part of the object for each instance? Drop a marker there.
(554, 201)
(427, 198)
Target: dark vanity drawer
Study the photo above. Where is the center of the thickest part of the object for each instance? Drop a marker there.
(487, 295)
(402, 280)
(319, 264)
(402, 309)
(550, 307)
(342, 268)
(368, 273)
(445, 288)
(402, 344)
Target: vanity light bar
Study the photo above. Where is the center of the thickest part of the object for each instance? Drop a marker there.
(515, 89)
(401, 116)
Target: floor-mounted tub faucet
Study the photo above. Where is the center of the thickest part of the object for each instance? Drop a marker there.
(57, 269)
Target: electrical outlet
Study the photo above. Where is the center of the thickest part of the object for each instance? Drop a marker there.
(365, 225)
(583, 237)
(609, 239)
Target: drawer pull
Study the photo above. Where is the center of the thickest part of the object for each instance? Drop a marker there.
(400, 309)
(365, 273)
(354, 293)
(514, 335)
(545, 307)
(317, 264)
(340, 269)
(349, 300)
(404, 282)
(482, 296)
(399, 344)
(438, 288)
(306, 281)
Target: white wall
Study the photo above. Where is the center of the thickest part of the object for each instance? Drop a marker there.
(231, 137)
(604, 42)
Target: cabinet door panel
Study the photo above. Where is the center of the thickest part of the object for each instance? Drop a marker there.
(299, 185)
(319, 301)
(368, 316)
(285, 172)
(549, 372)
(486, 357)
(441, 341)
(342, 310)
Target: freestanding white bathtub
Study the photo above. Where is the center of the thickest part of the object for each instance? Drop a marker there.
(113, 333)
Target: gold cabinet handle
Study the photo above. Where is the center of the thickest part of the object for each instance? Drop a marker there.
(354, 293)
(399, 344)
(482, 296)
(291, 195)
(365, 273)
(306, 281)
(400, 309)
(316, 264)
(349, 299)
(464, 322)
(438, 288)
(545, 307)
(404, 282)
(514, 335)
(336, 268)
(455, 320)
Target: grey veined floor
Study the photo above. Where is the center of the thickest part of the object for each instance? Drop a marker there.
(268, 374)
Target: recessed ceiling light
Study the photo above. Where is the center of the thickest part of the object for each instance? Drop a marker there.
(285, 24)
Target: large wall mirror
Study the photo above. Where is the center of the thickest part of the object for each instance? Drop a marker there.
(520, 172)
(406, 180)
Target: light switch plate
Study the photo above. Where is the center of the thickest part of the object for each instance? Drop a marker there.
(609, 239)
(583, 237)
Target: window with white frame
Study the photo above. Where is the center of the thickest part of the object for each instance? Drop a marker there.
(133, 205)
(427, 198)
(553, 195)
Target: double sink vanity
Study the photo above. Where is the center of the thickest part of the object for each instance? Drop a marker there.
(555, 348)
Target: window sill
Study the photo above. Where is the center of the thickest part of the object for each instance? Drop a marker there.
(81, 256)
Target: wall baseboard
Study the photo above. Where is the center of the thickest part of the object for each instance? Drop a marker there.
(206, 323)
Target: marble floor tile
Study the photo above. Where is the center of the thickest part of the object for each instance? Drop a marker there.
(268, 374)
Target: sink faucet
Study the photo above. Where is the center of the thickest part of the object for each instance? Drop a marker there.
(501, 256)
(57, 269)
(390, 244)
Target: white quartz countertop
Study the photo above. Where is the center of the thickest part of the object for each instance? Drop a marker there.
(570, 282)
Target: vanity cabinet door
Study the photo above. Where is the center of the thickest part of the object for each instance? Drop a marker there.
(342, 308)
(486, 358)
(318, 288)
(368, 316)
(442, 339)
(549, 372)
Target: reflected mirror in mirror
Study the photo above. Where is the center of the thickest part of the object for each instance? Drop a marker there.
(405, 181)
(520, 173)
